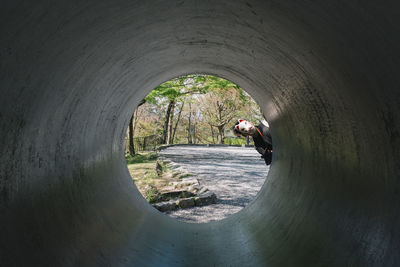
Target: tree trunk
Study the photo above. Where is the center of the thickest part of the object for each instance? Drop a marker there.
(220, 127)
(221, 136)
(132, 128)
(212, 134)
(194, 133)
(177, 121)
(130, 137)
(166, 123)
(189, 134)
(170, 123)
(189, 129)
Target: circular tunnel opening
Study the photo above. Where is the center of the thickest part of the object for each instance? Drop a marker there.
(198, 148)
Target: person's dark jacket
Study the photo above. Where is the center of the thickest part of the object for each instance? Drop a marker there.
(263, 143)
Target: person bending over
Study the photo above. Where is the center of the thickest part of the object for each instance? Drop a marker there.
(261, 137)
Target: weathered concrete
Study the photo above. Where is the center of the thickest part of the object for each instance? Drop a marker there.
(324, 72)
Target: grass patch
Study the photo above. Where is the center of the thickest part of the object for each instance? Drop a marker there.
(141, 158)
(152, 194)
(142, 168)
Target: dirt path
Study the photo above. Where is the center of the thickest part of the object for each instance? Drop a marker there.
(234, 174)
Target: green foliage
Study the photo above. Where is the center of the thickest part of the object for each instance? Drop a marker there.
(185, 175)
(141, 158)
(152, 194)
(173, 89)
(164, 167)
(190, 84)
(206, 104)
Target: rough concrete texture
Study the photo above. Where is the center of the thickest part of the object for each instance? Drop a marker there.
(234, 174)
(326, 74)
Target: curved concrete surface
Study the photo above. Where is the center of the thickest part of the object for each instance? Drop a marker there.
(324, 72)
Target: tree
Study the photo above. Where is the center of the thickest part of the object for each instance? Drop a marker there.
(193, 109)
(130, 138)
(168, 120)
(170, 92)
(221, 104)
(251, 111)
(132, 127)
(177, 122)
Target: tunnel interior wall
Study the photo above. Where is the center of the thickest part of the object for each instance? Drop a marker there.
(324, 73)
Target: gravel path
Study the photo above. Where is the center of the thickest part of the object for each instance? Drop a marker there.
(234, 174)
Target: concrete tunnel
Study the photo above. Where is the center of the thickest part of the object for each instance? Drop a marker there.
(326, 74)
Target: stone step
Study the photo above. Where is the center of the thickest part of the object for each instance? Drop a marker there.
(207, 198)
